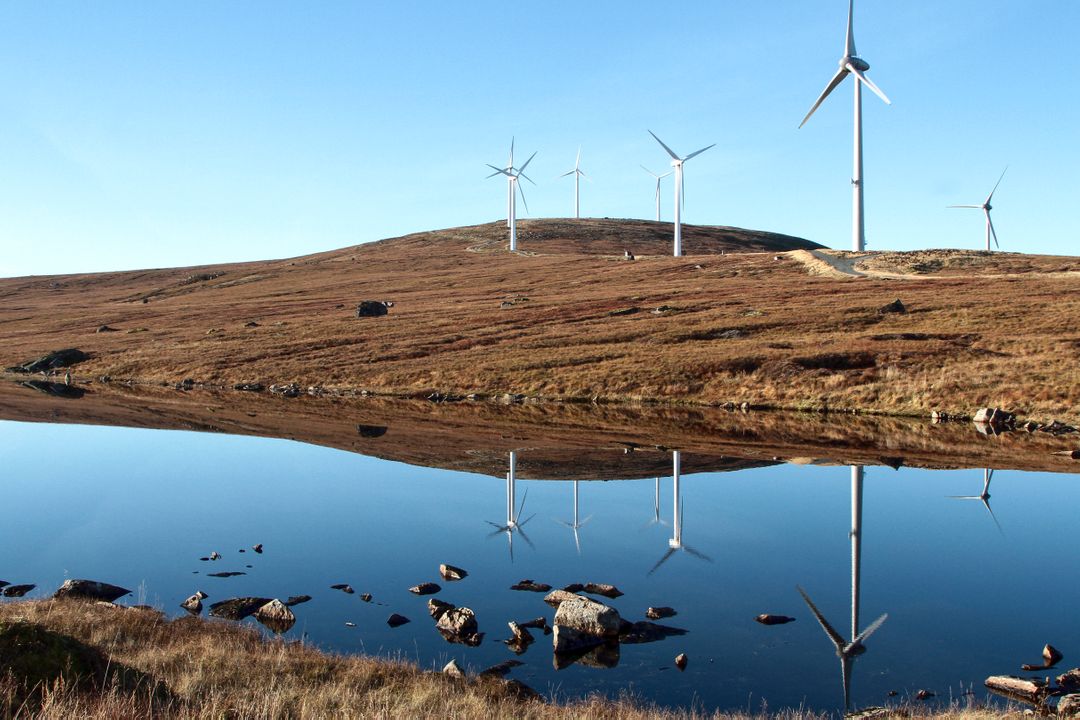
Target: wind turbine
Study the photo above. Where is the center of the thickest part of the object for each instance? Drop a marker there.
(658, 179)
(576, 525)
(677, 164)
(657, 520)
(984, 497)
(848, 651)
(852, 64)
(578, 174)
(513, 189)
(675, 543)
(513, 522)
(986, 207)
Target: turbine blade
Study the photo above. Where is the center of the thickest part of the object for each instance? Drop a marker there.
(666, 174)
(837, 640)
(526, 204)
(526, 494)
(973, 207)
(568, 173)
(991, 195)
(989, 477)
(695, 154)
(867, 82)
(498, 171)
(648, 171)
(992, 230)
(522, 534)
(697, 553)
(522, 169)
(521, 174)
(836, 80)
(870, 630)
(577, 162)
(669, 150)
(510, 164)
(849, 44)
(661, 561)
(657, 188)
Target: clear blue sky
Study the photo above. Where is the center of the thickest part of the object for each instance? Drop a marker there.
(138, 134)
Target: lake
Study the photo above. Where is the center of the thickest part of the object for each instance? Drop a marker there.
(972, 585)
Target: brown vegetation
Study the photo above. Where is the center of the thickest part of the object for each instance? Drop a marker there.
(568, 318)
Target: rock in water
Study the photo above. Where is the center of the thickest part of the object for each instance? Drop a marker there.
(90, 590)
(646, 632)
(609, 591)
(17, 590)
(428, 588)
(581, 624)
(238, 608)
(258, 548)
(276, 616)
(766, 619)
(458, 625)
(530, 586)
(297, 600)
(659, 613)
(343, 587)
(437, 608)
(193, 604)
(681, 659)
(557, 597)
(366, 597)
(451, 668)
(450, 572)
(396, 620)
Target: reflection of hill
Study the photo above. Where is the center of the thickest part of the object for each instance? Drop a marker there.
(557, 441)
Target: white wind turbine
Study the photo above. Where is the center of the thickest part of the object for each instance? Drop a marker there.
(675, 543)
(677, 164)
(512, 178)
(986, 207)
(576, 524)
(658, 179)
(578, 174)
(514, 523)
(852, 64)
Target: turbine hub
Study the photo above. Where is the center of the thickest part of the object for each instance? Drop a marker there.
(988, 207)
(856, 62)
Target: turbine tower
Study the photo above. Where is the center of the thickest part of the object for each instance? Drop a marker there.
(675, 543)
(852, 64)
(513, 176)
(514, 523)
(658, 179)
(576, 172)
(677, 164)
(576, 524)
(986, 207)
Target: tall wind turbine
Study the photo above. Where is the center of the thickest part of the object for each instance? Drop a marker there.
(658, 179)
(986, 207)
(852, 64)
(677, 164)
(514, 188)
(578, 174)
(676, 544)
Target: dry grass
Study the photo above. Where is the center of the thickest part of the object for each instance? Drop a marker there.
(755, 326)
(221, 670)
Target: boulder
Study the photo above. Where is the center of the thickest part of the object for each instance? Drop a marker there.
(451, 572)
(457, 620)
(557, 597)
(530, 586)
(581, 623)
(1014, 688)
(766, 619)
(994, 417)
(238, 608)
(343, 587)
(276, 616)
(372, 308)
(17, 590)
(193, 605)
(609, 591)
(1069, 705)
(51, 361)
(396, 620)
(437, 608)
(659, 613)
(90, 590)
(521, 638)
(1070, 680)
(681, 659)
(427, 588)
(366, 597)
(297, 600)
(894, 307)
(451, 668)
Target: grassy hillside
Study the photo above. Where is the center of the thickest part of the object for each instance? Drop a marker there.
(766, 321)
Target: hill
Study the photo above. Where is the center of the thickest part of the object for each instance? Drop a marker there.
(745, 316)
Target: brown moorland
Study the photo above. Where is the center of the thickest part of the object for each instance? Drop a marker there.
(745, 316)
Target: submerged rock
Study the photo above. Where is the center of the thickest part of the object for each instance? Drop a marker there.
(659, 613)
(609, 591)
(451, 572)
(530, 586)
(238, 608)
(428, 588)
(297, 600)
(17, 590)
(366, 597)
(343, 587)
(227, 574)
(90, 590)
(396, 620)
(766, 619)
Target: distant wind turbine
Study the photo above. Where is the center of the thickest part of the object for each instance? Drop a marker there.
(677, 164)
(984, 497)
(512, 178)
(576, 524)
(852, 64)
(986, 207)
(578, 174)
(658, 179)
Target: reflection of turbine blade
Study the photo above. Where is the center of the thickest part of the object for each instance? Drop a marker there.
(524, 536)
(836, 638)
(696, 553)
(986, 503)
(866, 633)
(668, 554)
(522, 522)
(846, 661)
(523, 497)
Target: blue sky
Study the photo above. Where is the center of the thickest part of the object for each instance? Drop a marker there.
(166, 134)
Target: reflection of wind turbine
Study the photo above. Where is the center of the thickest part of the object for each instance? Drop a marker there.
(658, 179)
(675, 543)
(988, 475)
(677, 164)
(852, 64)
(986, 207)
(657, 520)
(847, 651)
(514, 189)
(513, 521)
(576, 172)
(576, 525)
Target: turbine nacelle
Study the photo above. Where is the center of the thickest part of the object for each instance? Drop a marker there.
(855, 62)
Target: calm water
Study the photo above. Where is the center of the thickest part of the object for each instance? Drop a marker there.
(968, 594)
